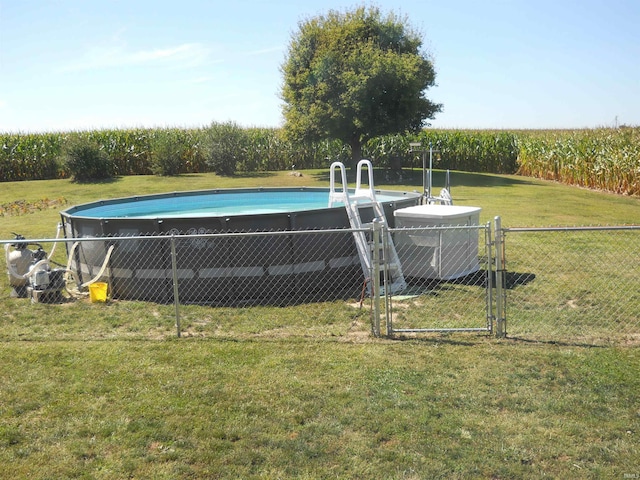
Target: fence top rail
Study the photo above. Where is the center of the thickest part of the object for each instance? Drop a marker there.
(571, 229)
(168, 235)
(440, 227)
(179, 236)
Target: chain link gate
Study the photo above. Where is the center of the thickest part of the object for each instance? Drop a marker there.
(559, 283)
(451, 276)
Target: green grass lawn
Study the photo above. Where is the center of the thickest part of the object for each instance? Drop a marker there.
(304, 408)
(107, 391)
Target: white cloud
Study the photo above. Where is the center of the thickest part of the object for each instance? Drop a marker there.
(189, 53)
(180, 56)
(263, 51)
(202, 80)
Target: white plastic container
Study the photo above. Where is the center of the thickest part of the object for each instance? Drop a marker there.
(434, 253)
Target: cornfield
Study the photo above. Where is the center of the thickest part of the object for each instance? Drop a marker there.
(467, 150)
(39, 156)
(30, 157)
(606, 159)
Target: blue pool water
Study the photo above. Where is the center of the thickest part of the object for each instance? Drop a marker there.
(211, 204)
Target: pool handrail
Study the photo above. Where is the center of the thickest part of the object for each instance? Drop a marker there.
(343, 196)
(367, 193)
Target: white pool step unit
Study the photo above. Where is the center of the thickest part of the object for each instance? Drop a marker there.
(366, 197)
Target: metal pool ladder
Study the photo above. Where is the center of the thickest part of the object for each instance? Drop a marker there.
(366, 197)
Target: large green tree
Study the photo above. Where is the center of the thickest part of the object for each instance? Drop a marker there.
(355, 75)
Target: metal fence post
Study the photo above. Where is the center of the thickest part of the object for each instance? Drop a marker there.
(488, 245)
(501, 320)
(375, 277)
(385, 275)
(174, 269)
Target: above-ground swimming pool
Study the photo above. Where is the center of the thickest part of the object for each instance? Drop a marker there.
(224, 269)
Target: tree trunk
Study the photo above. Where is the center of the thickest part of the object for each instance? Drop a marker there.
(356, 152)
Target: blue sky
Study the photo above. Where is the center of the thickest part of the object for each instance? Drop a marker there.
(83, 64)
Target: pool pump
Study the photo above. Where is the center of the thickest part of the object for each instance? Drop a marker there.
(30, 273)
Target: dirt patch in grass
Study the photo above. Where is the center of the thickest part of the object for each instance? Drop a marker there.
(24, 207)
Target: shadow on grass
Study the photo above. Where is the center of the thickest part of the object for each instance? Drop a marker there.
(97, 181)
(413, 178)
(478, 279)
(442, 338)
(234, 175)
(253, 175)
(466, 339)
(556, 343)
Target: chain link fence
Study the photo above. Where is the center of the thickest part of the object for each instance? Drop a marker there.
(573, 284)
(211, 284)
(557, 285)
(227, 269)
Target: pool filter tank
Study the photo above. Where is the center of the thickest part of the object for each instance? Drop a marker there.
(19, 261)
(31, 275)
